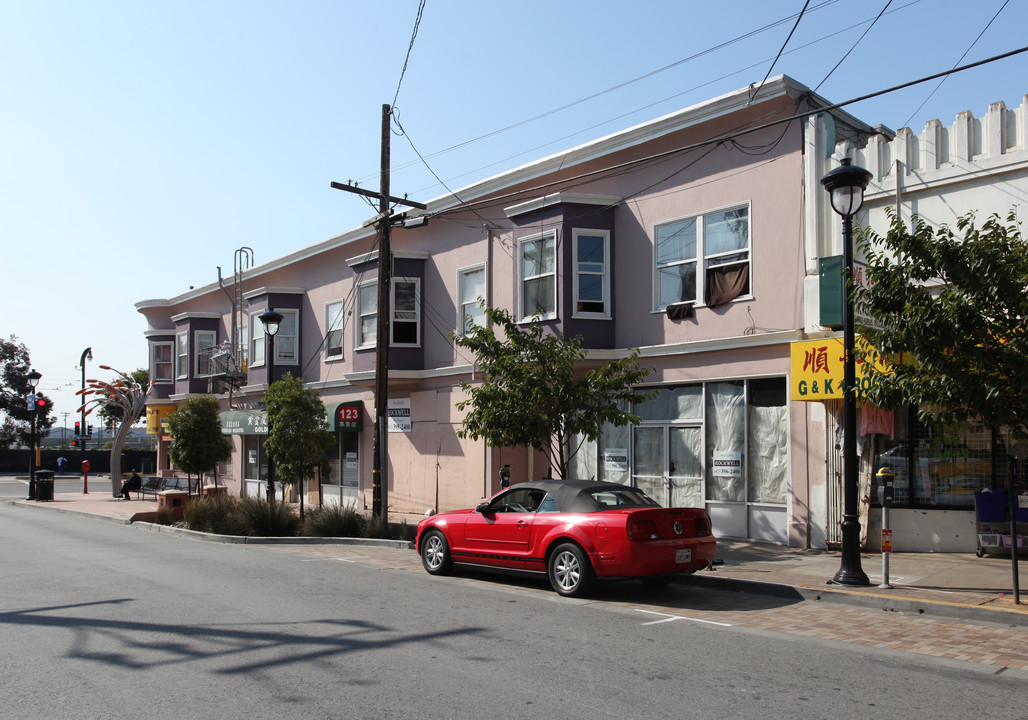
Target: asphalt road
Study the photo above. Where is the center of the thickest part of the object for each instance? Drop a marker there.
(99, 620)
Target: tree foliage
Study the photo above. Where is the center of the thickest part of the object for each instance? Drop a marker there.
(298, 436)
(953, 303)
(15, 417)
(197, 444)
(535, 392)
(111, 413)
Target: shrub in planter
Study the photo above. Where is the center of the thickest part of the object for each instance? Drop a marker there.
(264, 519)
(333, 522)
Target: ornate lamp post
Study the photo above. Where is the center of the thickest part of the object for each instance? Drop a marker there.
(272, 322)
(87, 354)
(845, 185)
(33, 377)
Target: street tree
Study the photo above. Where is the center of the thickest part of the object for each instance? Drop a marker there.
(15, 416)
(541, 391)
(952, 305)
(197, 444)
(298, 437)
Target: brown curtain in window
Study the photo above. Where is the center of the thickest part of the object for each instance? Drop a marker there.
(725, 284)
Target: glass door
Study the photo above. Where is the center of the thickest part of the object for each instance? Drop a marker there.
(667, 464)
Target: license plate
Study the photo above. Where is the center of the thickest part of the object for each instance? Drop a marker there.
(683, 555)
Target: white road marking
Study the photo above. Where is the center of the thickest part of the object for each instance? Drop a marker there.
(672, 618)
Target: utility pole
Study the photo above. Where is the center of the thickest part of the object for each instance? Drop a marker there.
(380, 462)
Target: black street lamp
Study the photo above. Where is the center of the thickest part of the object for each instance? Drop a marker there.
(272, 322)
(845, 185)
(33, 378)
(87, 354)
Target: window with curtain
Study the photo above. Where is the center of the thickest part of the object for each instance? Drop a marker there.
(726, 435)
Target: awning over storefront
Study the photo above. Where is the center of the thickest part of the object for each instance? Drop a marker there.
(244, 422)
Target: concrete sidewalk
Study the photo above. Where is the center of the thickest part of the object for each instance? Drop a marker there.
(958, 585)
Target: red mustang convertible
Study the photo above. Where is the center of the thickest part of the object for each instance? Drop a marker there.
(574, 531)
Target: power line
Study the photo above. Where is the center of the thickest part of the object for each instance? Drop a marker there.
(780, 51)
(853, 47)
(410, 47)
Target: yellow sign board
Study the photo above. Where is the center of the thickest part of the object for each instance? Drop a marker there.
(155, 416)
(817, 368)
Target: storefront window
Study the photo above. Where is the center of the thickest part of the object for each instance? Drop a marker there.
(943, 465)
(726, 435)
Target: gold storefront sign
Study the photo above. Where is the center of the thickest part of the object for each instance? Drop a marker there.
(817, 367)
(155, 416)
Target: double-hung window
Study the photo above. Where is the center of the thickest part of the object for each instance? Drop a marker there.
(537, 260)
(204, 340)
(162, 363)
(258, 342)
(591, 252)
(405, 323)
(334, 315)
(470, 287)
(287, 339)
(182, 355)
(703, 259)
(367, 305)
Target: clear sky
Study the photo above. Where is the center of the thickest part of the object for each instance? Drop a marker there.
(143, 142)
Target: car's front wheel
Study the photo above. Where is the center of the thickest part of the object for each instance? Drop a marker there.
(569, 571)
(435, 553)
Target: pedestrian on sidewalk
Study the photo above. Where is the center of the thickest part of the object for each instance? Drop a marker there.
(133, 483)
(60, 464)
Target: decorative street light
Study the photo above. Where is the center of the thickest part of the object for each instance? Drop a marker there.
(87, 354)
(33, 377)
(845, 185)
(272, 322)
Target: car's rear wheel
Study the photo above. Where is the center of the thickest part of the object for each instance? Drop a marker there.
(435, 553)
(569, 570)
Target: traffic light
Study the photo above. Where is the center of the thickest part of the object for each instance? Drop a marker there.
(77, 429)
(41, 404)
(89, 431)
(74, 443)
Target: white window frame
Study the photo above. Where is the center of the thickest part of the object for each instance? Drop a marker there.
(258, 343)
(465, 304)
(394, 318)
(360, 341)
(182, 356)
(335, 322)
(242, 341)
(703, 260)
(202, 339)
(170, 362)
(604, 274)
(542, 237)
(280, 359)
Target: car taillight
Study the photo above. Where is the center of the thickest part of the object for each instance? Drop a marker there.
(642, 530)
(702, 526)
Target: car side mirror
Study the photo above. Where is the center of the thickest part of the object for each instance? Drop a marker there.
(482, 508)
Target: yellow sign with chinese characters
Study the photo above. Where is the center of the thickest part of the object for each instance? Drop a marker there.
(817, 368)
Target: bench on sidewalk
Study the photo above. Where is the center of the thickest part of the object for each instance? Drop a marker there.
(151, 486)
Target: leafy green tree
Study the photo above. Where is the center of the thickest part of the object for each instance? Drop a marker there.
(197, 444)
(298, 436)
(537, 391)
(15, 417)
(953, 304)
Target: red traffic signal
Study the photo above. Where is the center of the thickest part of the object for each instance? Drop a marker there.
(77, 433)
(41, 403)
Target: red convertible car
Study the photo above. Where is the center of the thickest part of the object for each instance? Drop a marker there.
(574, 531)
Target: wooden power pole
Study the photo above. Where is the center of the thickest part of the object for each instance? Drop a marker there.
(380, 462)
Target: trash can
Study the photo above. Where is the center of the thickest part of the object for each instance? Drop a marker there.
(44, 485)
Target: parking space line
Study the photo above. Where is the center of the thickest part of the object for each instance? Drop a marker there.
(671, 618)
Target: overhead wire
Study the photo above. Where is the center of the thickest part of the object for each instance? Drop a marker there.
(780, 51)
(410, 48)
(852, 47)
(934, 90)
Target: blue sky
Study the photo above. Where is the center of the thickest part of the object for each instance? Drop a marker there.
(142, 143)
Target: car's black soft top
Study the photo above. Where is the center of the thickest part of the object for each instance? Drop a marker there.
(573, 496)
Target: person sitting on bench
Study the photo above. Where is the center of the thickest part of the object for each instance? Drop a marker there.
(133, 483)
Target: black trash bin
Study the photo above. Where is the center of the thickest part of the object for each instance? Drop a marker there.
(44, 485)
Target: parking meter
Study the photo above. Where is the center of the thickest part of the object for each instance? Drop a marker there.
(886, 492)
(85, 477)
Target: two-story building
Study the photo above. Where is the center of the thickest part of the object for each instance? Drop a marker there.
(696, 238)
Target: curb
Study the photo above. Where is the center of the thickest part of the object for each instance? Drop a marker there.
(886, 603)
(244, 540)
(54, 508)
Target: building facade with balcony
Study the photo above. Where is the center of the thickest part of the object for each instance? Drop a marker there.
(690, 237)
